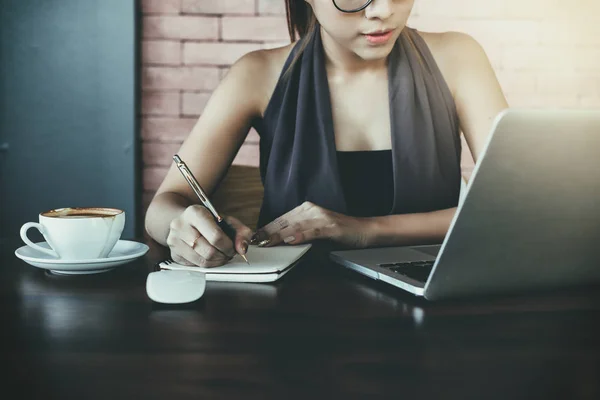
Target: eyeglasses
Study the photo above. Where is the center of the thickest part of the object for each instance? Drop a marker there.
(351, 6)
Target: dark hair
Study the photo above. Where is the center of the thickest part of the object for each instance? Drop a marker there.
(301, 22)
(300, 19)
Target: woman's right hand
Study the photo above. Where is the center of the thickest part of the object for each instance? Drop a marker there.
(196, 239)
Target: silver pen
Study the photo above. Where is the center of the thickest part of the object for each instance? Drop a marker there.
(191, 180)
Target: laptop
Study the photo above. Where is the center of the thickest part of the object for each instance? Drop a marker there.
(529, 218)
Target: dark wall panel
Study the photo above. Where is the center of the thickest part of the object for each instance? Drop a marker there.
(68, 134)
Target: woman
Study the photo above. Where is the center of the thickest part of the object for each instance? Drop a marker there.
(359, 121)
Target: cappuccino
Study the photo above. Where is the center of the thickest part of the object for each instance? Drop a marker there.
(82, 233)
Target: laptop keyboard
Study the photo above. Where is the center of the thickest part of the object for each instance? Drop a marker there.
(417, 270)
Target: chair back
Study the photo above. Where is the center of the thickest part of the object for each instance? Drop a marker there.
(240, 194)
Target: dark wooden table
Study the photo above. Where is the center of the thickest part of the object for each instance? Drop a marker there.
(320, 332)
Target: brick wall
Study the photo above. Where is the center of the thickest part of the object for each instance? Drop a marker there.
(546, 53)
(187, 47)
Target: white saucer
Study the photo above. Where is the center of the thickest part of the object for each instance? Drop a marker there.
(124, 251)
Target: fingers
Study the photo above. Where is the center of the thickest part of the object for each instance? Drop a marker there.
(298, 233)
(180, 260)
(304, 223)
(306, 236)
(243, 234)
(203, 255)
(189, 235)
(269, 234)
(189, 243)
(281, 222)
(287, 235)
(202, 220)
(196, 239)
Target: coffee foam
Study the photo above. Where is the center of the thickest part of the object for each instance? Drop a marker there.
(82, 212)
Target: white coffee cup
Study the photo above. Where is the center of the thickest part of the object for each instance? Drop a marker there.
(78, 233)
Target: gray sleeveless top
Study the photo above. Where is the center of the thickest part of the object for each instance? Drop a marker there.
(297, 144)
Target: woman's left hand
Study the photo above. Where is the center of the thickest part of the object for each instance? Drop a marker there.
(309, 222)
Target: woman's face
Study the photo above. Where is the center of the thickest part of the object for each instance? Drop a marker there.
(351, 30)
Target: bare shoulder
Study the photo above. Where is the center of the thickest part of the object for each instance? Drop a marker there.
(257, 72)
(473, 82)
(441, 40)
(452, 51)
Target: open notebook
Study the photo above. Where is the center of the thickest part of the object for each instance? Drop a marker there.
(267, 264)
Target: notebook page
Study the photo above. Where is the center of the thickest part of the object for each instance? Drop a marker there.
(262, 260)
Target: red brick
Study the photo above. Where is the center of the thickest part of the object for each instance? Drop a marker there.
(160, 6)
(159, 153)
(180, 27)
(218, 6)
(276, 7)
(161, 52)
(193, 103)
(185, 78)
(216, 53)
(153, 177)
(248, 155)
(262, 28)
(160, 103)
(166, 129)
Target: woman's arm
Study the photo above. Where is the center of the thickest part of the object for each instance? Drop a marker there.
(212, 144)
(477, 92)
(309, 222)
(408, 229)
